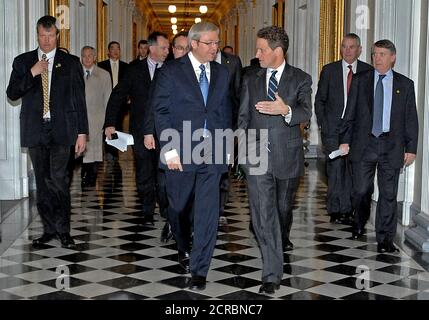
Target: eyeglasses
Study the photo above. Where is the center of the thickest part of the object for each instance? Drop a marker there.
(180, 48)
(211, 43)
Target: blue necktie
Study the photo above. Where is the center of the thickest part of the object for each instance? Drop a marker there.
(204, 84)
(272, 86)
(377, 120)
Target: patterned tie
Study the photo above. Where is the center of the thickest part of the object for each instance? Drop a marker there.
(349, 78)
(204, 83)
(272, 86)
(377, 120)
(45, 86)
(88, 74)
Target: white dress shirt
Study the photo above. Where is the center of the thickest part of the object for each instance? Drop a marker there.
(114, 65)
(152, 66)
(345, 74)
(50, 56)
(278, 76)
(196, 65)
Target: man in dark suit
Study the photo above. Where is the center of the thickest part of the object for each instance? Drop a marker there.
(380, 132)
(137, 86)
(274, 100)
(190, 94)
(143, 48)
(117, 70)
(330, 109)
(53, 118)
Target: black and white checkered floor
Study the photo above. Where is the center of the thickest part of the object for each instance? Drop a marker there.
(119, 258)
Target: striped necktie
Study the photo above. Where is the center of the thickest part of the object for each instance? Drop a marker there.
(45, 86)
(272, 86)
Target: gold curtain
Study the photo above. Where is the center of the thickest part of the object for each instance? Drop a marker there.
(278, 13)
(331, 30)
(61, 10)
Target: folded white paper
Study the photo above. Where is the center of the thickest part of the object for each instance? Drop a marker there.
(336, 154)
(124, 140)
(171, 155)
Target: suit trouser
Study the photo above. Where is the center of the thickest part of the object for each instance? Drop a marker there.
(339, 195)
(376, 157)
(200, 189)
(271, 201)
(150, 180)
(53, 194)
(225, 183)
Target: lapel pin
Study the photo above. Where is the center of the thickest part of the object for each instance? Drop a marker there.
(398, 91)
(58, 65)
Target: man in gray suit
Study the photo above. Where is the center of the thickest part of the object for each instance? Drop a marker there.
(275, 98)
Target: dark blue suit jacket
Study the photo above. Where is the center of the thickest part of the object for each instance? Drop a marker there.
(177, 98)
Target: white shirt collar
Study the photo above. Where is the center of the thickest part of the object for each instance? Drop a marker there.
(279, 70)
(50, 55)
(153, 62)
(346, 65)
(196, 64)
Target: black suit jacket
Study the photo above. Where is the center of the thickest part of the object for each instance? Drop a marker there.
(67, 99)
(287, 155)
(329, 102)
(357, 125)
(136, 85)
(123, 67)
(234, 66)
(177, 98)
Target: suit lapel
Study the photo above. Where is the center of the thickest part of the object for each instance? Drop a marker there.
(371, 92)
(340, 80)
(395, 96)
(214, 72)
(56, 69)
(188, 71)
(261, 85)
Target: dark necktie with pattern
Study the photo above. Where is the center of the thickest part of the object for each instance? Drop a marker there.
(272, 86)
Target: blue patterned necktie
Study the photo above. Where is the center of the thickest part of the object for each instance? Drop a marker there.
(272, 86)
(204, 84)
(377, 120)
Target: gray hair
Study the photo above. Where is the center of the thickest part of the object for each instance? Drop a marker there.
(89, 48)
(353, 36)
(385, 44)
(199, 28)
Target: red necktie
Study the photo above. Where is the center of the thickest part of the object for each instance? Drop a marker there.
(349, 78)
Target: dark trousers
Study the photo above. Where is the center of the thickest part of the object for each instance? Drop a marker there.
(339, 195)
(271, 201)
(200, 189)
(53, 194)
(150, 180)
(225, 183)
(376, 157)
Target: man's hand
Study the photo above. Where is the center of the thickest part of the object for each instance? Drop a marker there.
(149, 141)
(39, 68)
(274, 108)
(174, 164)
(109, 131)
(345, 148)
(409, 159)
(80, 144)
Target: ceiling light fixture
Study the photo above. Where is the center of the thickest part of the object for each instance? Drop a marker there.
(203, 9)
(197, 20)
(173, 20)
(174, 32)
(172, 8)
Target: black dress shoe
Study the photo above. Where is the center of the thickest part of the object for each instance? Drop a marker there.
(148, 219)
(268, 287)
(357, 233)
(287, 245)
(66, 241)
(166, 234)
(387, 246)
(197, 283)
(184, 261)
(45, 238)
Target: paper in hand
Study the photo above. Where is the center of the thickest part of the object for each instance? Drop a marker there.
(335, 154)
(124, 140)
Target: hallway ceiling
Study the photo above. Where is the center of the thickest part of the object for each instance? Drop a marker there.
(187, 11)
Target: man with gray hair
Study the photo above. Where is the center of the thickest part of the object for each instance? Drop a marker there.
(193, 90)
(380, 132)
(97, 92)
(277, 99)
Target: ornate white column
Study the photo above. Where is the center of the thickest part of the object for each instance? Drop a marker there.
(17, 35)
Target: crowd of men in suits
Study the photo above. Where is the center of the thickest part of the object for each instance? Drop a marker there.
(367, 112)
